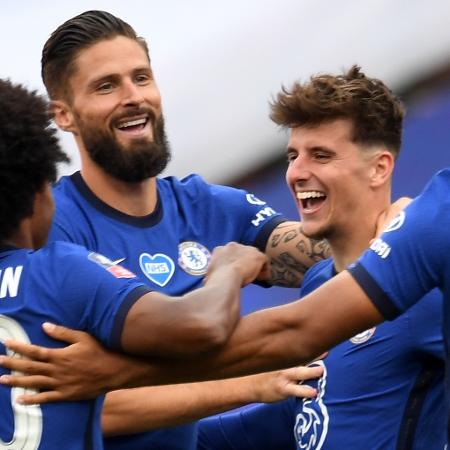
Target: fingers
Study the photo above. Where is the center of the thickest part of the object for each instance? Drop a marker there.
(39, 353)
(302, 373)
(307, 373)
(28, 381)
(24, 365)
(41, 397)
(301, 391)
(28, 350)
(64, 334)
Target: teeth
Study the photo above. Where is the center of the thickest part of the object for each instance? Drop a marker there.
(309, 194)
(132, 123)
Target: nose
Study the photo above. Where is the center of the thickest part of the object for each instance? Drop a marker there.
(298, 170)
(132, 94)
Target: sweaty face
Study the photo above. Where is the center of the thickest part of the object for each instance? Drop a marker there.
(116, 110)
(329, 176)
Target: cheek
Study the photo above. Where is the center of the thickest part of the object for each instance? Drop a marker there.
(290, 177)
(155, 99)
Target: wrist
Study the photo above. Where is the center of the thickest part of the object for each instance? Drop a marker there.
(230, 273)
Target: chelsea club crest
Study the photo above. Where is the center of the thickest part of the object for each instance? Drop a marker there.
(193, 258)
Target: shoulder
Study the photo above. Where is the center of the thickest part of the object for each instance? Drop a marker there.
(194, 191)
(60, 250)
(194, 185)
(316, 275)
(64, 194)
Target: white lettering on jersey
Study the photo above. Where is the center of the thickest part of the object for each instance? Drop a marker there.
(27, 418)
(262, 214)
(311, 424)
(10, 279)
(381, 248)
(396, 223)
(254, 200)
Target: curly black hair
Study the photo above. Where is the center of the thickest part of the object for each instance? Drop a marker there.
(377, 114)
(29, 153)
(79, 32)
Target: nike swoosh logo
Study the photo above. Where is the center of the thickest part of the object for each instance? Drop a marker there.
(118, 261)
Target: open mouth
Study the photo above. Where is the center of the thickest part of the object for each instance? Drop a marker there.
(134, 126)
(311, 200)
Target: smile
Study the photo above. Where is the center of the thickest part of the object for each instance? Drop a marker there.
(132, 123)
(135, 126)
(310, 201)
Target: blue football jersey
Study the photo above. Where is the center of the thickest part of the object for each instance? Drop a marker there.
(169, 249)
(412, 257)
(64, 284)
(382, 389)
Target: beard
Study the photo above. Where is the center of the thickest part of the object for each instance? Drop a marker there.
(143, 159)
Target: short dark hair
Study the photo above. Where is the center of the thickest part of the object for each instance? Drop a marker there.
(29, 153)
(77, 33)
(377, 114)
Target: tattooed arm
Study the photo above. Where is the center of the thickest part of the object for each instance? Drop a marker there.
(291, 254)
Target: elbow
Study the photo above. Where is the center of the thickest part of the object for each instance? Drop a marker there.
(213, 334)
(212, 337)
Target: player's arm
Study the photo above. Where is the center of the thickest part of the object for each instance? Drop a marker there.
(135, 410)
(269, 339)
(291, 254)
(297, 332)
(199, 321)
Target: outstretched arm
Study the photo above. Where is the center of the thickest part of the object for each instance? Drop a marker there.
(270, 339)
(135, 410)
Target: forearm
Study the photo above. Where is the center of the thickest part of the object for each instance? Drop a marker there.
(291, 254)
(286, 335)
(135, 410)
(198, 322)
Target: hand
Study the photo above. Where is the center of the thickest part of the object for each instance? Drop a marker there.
(279, 385)
(386, 217)
(249, 261)
(82, 370)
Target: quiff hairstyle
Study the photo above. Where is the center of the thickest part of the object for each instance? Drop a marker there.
(80, 32)
(376, 113)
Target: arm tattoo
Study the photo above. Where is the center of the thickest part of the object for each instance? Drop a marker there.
(292, 253)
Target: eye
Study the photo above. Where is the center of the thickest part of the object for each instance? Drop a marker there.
(291, 156)
(321, 156)
(105, 87)
(142, 79)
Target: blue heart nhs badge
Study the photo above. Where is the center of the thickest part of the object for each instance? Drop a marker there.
(158, 268)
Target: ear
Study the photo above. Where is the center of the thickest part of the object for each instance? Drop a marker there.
(63, 116)
(381, 169)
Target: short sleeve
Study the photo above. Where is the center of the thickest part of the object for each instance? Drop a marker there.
(237, 214)
(90, 292)
(411, 256)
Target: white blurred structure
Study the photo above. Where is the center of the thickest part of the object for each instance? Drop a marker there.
(218, 63)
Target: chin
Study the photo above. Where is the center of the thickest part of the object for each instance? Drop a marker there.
(314, 231)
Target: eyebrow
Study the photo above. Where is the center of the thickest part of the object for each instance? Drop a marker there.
(115, 76)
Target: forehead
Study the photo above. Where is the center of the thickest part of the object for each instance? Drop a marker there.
(328, 134)
(115, 56)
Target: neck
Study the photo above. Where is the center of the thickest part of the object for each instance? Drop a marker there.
(135, 199)
(349, 244)
(22, 237)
